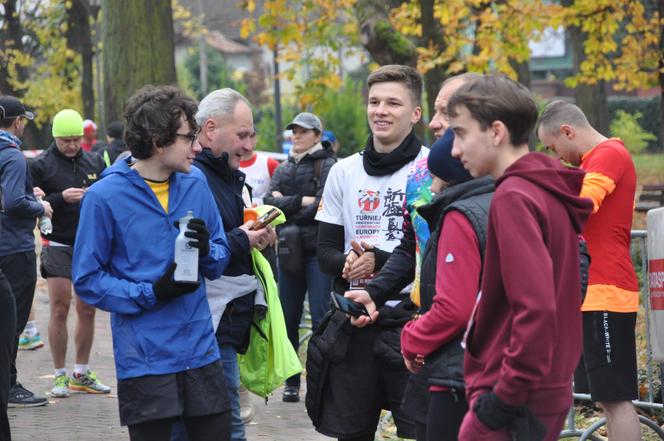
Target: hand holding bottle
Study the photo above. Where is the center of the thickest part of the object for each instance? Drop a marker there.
(165, 288)
(198, 230)
(45, 224)
(48, 210)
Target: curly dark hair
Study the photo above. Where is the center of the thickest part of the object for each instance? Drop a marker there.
(152, 117)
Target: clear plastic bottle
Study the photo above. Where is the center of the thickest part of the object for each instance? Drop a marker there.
(45, 224)
(186, 256)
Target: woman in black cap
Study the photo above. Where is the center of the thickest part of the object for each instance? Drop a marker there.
(296, 188)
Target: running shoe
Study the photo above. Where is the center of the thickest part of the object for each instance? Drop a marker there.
(21, 397)
(26, 343)
(60, 387)
(87, 383)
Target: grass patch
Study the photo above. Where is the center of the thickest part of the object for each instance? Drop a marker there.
(649, 168)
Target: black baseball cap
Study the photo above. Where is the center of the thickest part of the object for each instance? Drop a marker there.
(11, 107)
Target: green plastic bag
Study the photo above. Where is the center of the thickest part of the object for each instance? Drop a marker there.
(270, 358)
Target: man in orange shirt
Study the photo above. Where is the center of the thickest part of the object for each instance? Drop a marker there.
(612, 300)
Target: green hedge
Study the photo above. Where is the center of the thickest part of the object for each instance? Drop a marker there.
(649, 108)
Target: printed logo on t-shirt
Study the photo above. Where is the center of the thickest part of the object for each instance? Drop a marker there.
(368, 201)
(255, 182)
(370, 221)
(393, 204)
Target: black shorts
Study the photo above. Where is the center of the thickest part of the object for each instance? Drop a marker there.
(608, 367)
(192, 393)
(56, 262)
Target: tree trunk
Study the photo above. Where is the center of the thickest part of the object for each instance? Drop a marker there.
(138, 49)
(279, 135)
(12, 33)
(378, 36)
(522, 72)
(591, 98)
(79, 38)
(432, 35)
(12, 39)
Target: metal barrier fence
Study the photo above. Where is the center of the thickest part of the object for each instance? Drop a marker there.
(571, 431)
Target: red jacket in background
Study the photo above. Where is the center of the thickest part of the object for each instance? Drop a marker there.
(525, 337)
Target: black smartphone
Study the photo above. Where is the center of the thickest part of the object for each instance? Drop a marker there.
(265, 219)
(348, 306)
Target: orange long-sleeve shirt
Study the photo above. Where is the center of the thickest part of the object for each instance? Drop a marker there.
(610, 183)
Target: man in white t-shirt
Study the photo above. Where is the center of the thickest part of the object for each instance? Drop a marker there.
(361, 217)
(258, 169)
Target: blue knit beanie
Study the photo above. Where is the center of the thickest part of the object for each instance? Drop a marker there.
(442, 164)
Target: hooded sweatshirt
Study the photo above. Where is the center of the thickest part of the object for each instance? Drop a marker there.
(18, 206)
(525, 338)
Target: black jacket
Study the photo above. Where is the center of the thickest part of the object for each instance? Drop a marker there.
(53, 172)
(295, 180)
(113, 150)
(226, 186)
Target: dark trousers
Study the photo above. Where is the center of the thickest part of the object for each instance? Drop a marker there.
(215, 427)
(7, 327)
(445, 414)
(292, 290)
(21, 272)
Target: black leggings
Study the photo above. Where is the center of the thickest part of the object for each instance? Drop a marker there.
(7, 334)
(204, 428)
(446, 412)
(20, 269)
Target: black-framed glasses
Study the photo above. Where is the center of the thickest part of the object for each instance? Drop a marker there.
(192, 137)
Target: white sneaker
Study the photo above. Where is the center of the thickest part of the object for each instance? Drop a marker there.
(247, 410)
(60, 387)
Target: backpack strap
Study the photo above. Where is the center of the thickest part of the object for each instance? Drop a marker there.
(107, 158)
(318, 165)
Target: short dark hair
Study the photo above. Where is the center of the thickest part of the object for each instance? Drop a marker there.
(559, 112)
(400, 74)
(152, 117)
(498, 98)
(115, 130)
(6, 123)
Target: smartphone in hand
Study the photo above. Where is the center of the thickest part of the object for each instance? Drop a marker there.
(265, 219)
(348, 306)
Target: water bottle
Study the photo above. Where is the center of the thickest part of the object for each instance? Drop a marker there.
(45, 224)
(186, 256)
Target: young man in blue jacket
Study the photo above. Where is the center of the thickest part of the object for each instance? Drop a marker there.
(19, 210)
(166, 355)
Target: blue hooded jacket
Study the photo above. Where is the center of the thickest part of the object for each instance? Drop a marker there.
(20, 209)
(125, 242)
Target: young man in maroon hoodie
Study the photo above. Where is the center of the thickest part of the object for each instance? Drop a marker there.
(524, 339)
